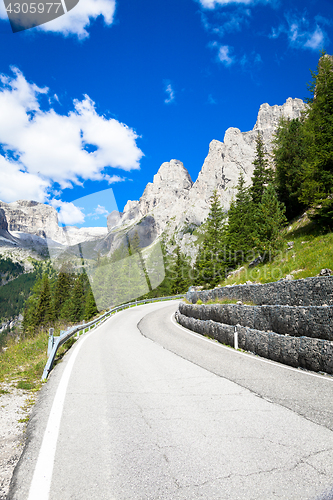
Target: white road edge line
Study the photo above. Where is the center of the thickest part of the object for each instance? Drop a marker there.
(41, 481)
(258, 358)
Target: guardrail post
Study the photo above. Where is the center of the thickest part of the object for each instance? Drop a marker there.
(236, 338)
(51, 341)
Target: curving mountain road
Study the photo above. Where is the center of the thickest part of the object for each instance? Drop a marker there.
(154, 412)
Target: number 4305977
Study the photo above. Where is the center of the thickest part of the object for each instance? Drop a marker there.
(32, 8)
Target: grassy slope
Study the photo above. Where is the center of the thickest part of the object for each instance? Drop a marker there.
(312, 251)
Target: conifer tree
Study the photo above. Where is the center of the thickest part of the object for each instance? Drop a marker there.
(181, 270)
(63, 288)
(45, 312)
(240, 230)
(209, 265)
(90, 309)
(271, 218)
(318, 165)
(262, 173)
(77, 300)
(289, 155)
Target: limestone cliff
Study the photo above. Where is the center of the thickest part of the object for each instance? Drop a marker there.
(176, 203)
(171, 203)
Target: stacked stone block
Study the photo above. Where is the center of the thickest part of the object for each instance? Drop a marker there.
(299, 334)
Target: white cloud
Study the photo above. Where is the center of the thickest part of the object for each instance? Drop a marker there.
(76, 21)
(226, 22)
(17, 184)
(300, 35)
(99, 210)
(223, 53)
(211, 4)
(112, 179)
(170, 93)
(53, 147)
(211, 99)
(68, 213)
(316, 40)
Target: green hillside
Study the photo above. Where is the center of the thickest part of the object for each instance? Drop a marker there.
(309, 252)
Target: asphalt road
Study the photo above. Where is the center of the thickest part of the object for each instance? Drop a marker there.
(168, 415)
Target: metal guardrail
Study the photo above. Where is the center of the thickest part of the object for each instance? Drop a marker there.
(57, 341)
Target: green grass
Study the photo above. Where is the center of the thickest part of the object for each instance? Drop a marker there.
(24, 362)
(312, 251)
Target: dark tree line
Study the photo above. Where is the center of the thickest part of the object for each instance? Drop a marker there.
(66, 298)
(303, 153)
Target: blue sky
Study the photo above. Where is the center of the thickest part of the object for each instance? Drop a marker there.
(100, 97)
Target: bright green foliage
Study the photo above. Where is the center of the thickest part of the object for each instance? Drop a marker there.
(323, 215)
(289, 155)
(318, 127)
(241, 230)
(270, 218)
(262, 173)
(209, 265)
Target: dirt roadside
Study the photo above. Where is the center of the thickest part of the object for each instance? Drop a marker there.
(15, 408)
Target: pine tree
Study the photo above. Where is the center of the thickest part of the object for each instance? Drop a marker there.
(63, 288)
(262, 173)
(209, 265)
(45, 315)
(318, 165)
(90, 309)
(240, 230)
(289, 155)
(270, 221)
(181, 273)
(77, 299)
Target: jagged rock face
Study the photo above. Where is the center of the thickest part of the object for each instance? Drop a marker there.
(170, 187)
(227, 159)
(174, 201)
(3, 220)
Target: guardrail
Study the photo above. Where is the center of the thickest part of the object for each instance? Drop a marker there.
(57, 341)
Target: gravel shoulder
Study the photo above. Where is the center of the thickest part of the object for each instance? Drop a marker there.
(15, 408)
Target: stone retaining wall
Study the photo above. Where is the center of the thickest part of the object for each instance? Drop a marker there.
(312, 354)
(314, 322)
(302, 292)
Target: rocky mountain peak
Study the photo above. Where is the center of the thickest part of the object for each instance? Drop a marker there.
(172, 174)
(269, 117)
(171, 184)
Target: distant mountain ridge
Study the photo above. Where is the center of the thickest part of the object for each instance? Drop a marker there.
(26, 223)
